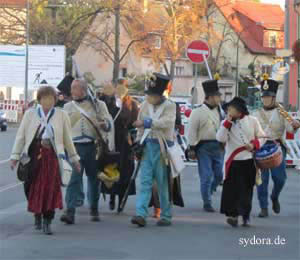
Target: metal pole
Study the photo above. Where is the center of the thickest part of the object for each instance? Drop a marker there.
(194, 93)
(207, 67)
(27, 55)
(237, 67)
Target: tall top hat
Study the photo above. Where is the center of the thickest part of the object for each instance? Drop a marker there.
(65, 85)
(157, 84)
(269, 87)
(211, 87)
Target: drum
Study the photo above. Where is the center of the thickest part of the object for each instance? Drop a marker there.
(269, 156)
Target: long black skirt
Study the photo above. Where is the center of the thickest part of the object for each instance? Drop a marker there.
(237, 191)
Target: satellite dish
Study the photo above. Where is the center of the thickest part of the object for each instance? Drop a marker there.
(281, 68)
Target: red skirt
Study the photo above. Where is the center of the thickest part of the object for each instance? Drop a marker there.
(45, 189)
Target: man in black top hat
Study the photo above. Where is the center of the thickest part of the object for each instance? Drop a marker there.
(65, 85)
(203, 146)
(275, 126)
(156, 123)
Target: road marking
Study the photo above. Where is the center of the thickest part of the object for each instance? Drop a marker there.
(4, 161)
(10, 186)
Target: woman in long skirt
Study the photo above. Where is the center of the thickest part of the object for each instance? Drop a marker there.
(35, 138)
(241, 133)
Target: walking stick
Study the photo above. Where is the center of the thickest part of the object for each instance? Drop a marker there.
(132, 179)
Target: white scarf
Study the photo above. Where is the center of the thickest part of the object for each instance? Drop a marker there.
(48, 133)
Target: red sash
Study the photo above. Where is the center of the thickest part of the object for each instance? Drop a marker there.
(230, 159)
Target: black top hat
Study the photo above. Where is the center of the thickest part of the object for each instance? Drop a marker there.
(269, 87)
(157, 84)
(65, 85)
(211, 88)
(239, 104)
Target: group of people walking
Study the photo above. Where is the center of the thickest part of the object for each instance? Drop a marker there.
(225, 147)
(82, 130)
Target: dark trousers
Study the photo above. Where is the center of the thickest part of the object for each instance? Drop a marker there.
(237, 191)
(87, 153)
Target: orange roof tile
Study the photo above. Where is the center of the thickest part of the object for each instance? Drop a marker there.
(21, 3)
(271, 16)
(272, 19)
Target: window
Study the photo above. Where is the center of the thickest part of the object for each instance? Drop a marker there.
(124, 72)
(273, 40)
(179, 70)
(157, 42)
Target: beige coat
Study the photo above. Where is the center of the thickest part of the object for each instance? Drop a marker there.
(163, 126)
(80, 125)
(276, 126)
(62, 134)
(203, 125)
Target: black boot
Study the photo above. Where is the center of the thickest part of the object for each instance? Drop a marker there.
(68, 217)
(112, 202)
(119, 204)
(208, 208)
(47, 226)
(233, 221)
(38, 221)
(138, 220)
(275, 205)
(94, 213)
(263, 213)
(246, 221)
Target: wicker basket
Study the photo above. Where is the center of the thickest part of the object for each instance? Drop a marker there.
(271, 161)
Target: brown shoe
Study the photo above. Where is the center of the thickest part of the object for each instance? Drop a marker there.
(263, 213)
(138, 220)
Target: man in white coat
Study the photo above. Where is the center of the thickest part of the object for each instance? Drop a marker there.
(84, 136)
(203, 145)
(275, 126)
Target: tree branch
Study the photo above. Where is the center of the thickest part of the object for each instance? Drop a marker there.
(130, 44)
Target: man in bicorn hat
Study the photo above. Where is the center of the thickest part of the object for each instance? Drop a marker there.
(275, 126)
(84, 137)
(157, 118)
(204, 123)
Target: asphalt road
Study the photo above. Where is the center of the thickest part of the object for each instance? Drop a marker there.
(194, 234)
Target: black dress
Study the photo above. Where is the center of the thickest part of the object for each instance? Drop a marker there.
(123, 125)
(238, 187)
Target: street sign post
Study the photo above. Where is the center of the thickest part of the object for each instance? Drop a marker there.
(198, 52)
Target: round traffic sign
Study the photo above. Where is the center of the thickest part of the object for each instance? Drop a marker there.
(196, 50)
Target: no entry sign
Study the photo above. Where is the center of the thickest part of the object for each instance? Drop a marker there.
(196, 50)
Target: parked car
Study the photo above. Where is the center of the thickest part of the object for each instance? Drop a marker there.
(3, 121)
